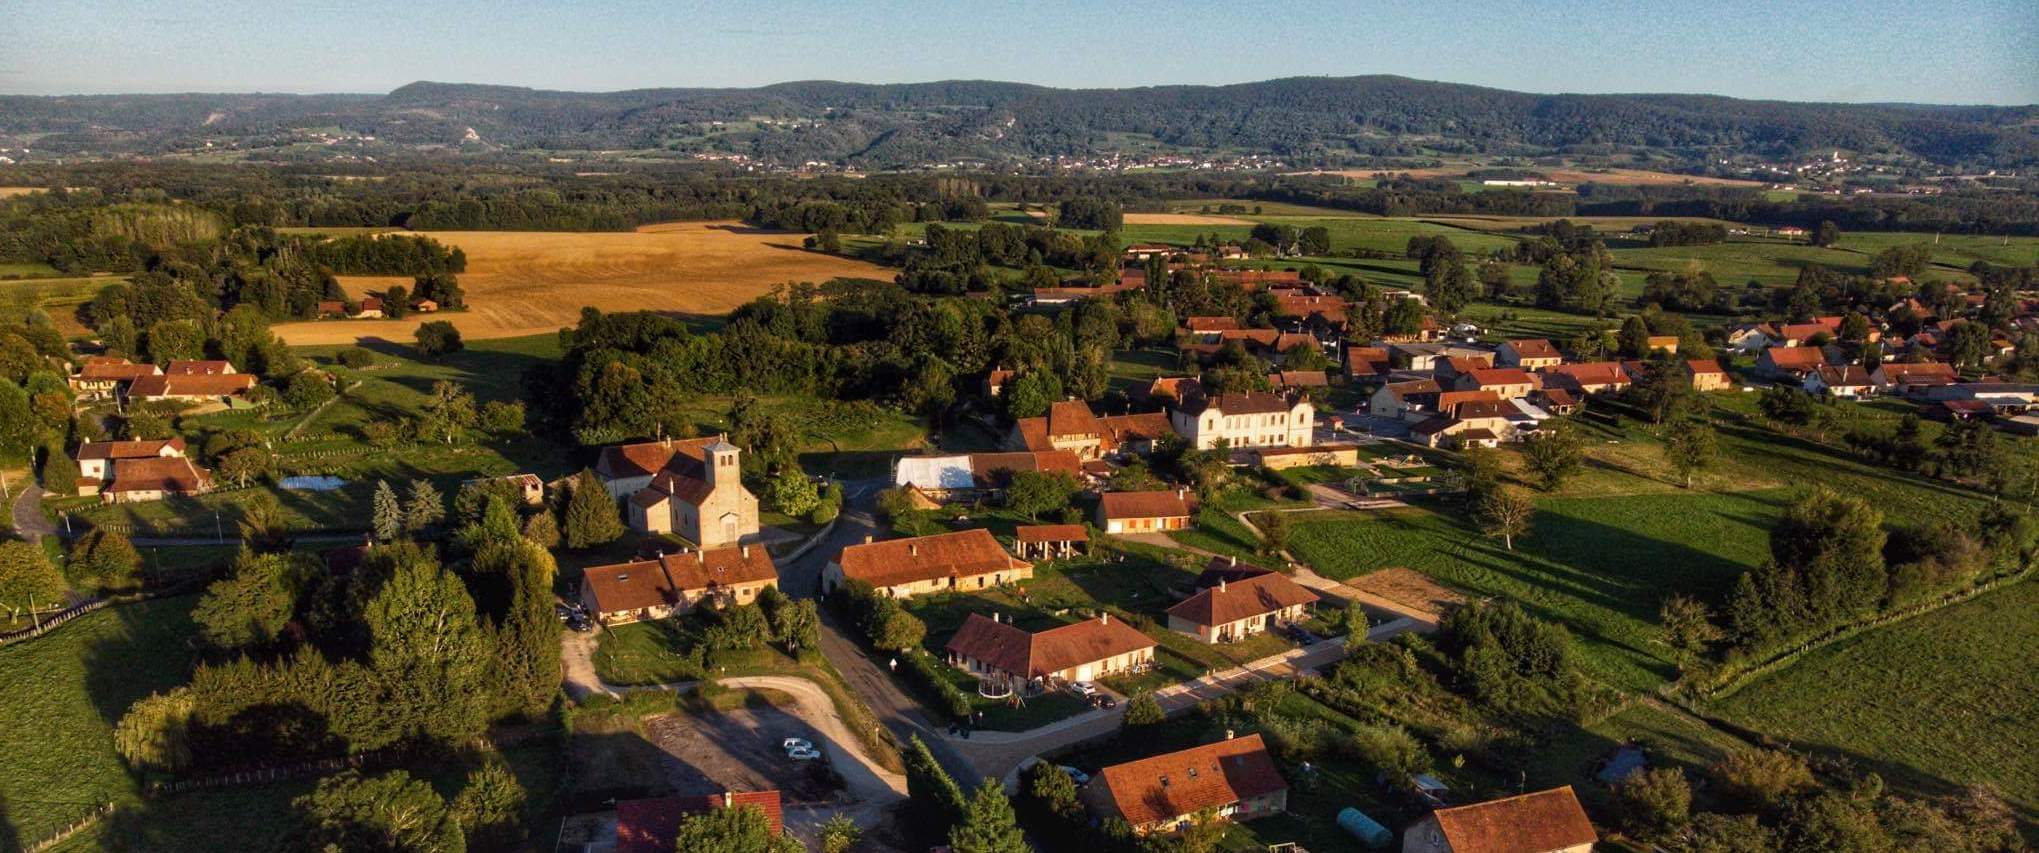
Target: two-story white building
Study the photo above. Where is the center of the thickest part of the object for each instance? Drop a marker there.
(1251, 419)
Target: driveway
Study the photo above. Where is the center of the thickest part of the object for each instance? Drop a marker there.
(29, 520)
(577, 664)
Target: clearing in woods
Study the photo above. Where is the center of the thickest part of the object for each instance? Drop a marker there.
(523, 283)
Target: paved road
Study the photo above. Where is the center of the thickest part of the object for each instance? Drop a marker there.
(29, 520)
(898, 712)
(998, 755)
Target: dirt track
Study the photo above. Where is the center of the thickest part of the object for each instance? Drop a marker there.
(524, 283)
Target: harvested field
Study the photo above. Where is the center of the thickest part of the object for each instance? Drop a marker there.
(525, 283)
(1183, 219)
(10, 192)
(1409, 588)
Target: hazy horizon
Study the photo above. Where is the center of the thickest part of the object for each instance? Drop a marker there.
(1980, 52)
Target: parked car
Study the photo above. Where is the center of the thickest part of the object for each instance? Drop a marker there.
(1083, 688)
(580, 623)
(808, 754)
(1103, 700)
(793, 743)
(1075, 775)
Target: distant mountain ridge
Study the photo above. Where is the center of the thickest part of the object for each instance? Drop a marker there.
(892, 125)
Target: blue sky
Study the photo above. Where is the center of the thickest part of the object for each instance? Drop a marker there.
(1985, 51)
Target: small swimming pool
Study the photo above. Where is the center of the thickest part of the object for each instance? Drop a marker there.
(320, 483)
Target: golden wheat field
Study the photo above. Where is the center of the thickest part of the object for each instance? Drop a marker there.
(524, 283)
(1183, 219)
(10, 192)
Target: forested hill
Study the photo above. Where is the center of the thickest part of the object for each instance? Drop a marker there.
(1305, 118)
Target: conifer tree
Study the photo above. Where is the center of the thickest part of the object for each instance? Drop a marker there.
(591, 517)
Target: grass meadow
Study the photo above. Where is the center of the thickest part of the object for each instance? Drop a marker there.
(1944, 699)
(60, 697)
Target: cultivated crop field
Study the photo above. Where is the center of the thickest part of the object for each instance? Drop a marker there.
(1183, 219)
(526, 283)
(1952, 695)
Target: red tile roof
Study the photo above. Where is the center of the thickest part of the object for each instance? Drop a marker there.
(198, 368)
(984, 467)
(116, 371)
(1051, 533)
(1072, 418)
(1703, 366)
(1247, 403)
(1298, 379)
(1528, 823)
(1007, 648)
(159, 474)
(653, 825)
(658, 583)
(1500, 376)
(1170, 785)
(965, 553)
(1212, 324)
(1796, 358)
(1164, 503)
(1591, 373)
(128, 449)
(196, 385)
(1533, 348)
(1232, 602)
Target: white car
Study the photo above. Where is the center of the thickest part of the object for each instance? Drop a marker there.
(1075, 775)
(799, 753)
(1083, 688)
(793, 743)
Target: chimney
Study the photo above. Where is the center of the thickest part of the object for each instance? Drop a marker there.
(729, 797)
(1235, 559)
(1104, 618)
(746, 552)
(1221, 584)
(913, 549)
(867, 538)
(1181, 494)
(1228, 734)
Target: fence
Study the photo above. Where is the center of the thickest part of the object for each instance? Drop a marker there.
(22, 635)
(265, 774)
(65, 834)
(53, 622)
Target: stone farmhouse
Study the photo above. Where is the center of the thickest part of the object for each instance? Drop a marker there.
(677, 583)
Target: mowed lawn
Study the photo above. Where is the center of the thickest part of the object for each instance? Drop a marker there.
(1947, 698)
(60, 697)
(1602, 566)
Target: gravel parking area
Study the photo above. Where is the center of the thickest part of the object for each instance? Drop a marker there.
(739, 750)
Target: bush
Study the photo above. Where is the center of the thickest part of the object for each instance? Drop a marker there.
(356, 357)
(1653, 803)
(926, 674)
(1761, 779)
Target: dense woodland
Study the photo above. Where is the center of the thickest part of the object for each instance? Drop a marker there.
(527, 196)
(889, 126)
